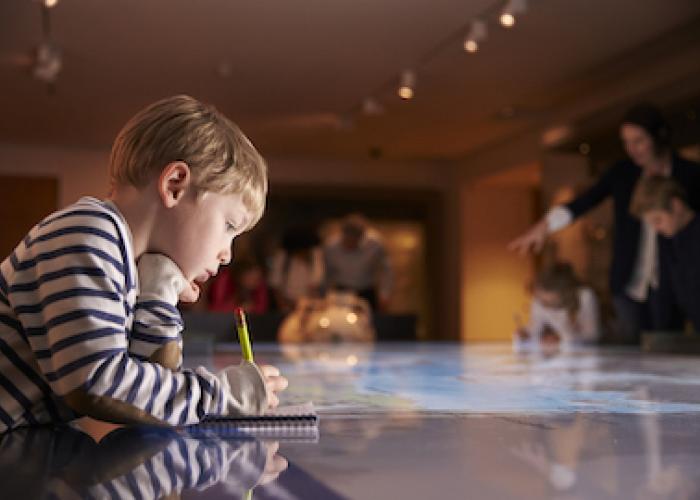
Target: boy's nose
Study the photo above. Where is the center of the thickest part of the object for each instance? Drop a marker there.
(225, 255)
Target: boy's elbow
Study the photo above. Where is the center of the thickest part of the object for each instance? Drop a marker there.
(168, 356)
(80, 402)
(107, 409)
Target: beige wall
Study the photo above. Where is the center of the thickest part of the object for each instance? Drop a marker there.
(79, 172)
(493, 279)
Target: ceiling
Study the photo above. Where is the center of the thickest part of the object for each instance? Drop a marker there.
(295, 72)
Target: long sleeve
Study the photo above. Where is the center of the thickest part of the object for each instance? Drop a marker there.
(73, 306)
(156, 319)
(225, 468)
(156, 323)
(557, 218)
(594, 194)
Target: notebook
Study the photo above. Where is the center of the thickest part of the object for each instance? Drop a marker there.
(288, 423)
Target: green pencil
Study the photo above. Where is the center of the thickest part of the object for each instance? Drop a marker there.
(243, 336)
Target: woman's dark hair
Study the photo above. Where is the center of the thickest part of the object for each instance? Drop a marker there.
(651, 119)
(561, 279)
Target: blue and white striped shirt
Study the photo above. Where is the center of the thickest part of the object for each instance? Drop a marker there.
(70, 318)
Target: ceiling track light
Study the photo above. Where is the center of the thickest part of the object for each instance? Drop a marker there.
(477, 34)
(407, 84)
(509, 11)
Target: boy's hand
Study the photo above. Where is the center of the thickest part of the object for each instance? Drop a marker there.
(274, 383)
(160, 278)
(274, 464)
(190, 293)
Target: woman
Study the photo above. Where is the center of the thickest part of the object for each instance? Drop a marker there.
(640, 291)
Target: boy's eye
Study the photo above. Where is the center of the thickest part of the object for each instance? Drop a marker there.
(230, 227)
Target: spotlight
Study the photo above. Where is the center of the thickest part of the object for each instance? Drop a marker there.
(407, 85)
(512, 8)
(476, 34)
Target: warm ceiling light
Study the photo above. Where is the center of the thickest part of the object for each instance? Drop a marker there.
(471, 46)
(405, 92)
(50, 3)
(407, 85)
(513, 7)
(507, 20)
(476, 34)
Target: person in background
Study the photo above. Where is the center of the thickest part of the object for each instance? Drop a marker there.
(296, 270)
(563, 312)
(241, 285)
(637, 286)
(662, 204)
(358, 262)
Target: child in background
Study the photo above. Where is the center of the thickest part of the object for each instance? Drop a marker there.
(564, 312)
(85, 330)
(241, 285)
(662, 203)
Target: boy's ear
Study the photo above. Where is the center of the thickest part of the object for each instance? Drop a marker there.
(173, 183)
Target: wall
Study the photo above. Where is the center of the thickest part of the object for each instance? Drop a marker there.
(493, 279)
(84, 172)
(79, 172)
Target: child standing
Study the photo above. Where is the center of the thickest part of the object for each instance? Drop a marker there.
(84, 329)
(663, 204)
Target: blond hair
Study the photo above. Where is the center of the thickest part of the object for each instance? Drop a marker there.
(655, 193)
(180, 128)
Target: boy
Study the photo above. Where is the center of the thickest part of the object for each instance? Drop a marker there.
(83, 330)
(662, 203)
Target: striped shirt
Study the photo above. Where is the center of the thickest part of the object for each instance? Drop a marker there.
(126, 463)
(70, 318)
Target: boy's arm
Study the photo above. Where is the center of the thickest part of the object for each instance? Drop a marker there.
(83, 291)
(157, 326)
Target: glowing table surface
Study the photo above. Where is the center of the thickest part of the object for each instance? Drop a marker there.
(439, 421)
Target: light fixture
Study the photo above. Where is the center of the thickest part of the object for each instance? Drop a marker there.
(407, 84)
(476, 34)
(50, 3)
(509, 11)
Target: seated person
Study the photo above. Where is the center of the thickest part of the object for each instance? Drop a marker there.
(358, 262)
(240, 285)
(662, 203)
(296, 270)
(564, 312)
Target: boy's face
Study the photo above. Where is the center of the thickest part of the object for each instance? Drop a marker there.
(666, 222)
(197, 233)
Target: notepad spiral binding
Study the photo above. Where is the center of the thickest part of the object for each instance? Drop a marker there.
(292, 429)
